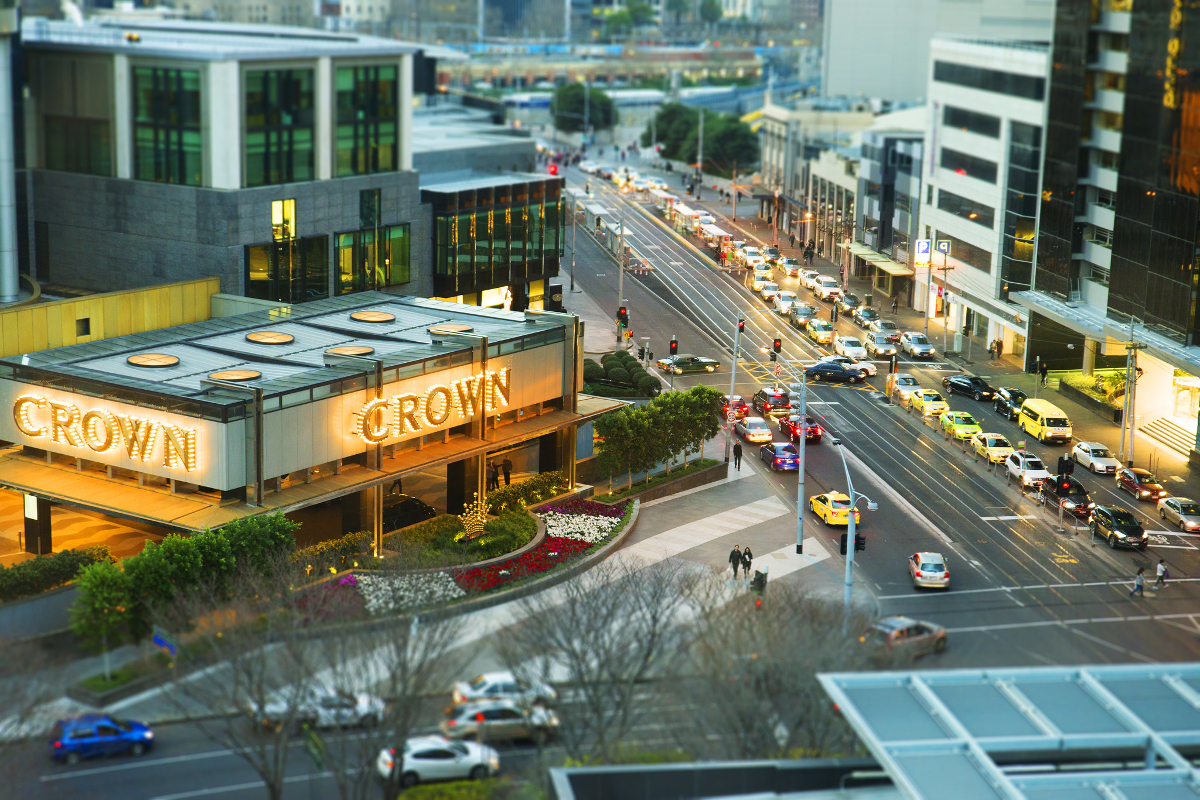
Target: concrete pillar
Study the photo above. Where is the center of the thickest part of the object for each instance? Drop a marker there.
(122, 117)
(222, 120)
(1089, 355)
(323, 92)
(10, 283)
(405, 124)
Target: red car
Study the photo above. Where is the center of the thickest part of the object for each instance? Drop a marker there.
(740, 407)
(1141, 484)
(791, 426)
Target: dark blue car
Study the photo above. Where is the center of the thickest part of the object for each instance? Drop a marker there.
(89, 735)
(780, 455)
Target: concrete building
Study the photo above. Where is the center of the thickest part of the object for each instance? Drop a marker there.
(880, 48)
(983, 142)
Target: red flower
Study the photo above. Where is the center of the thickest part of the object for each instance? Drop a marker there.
(547, 555)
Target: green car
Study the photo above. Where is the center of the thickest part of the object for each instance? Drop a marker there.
(959, 425)
(682, 364)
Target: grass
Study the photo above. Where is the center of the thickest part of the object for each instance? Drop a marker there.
(441, 542)
(1112, 379)
(126, 673)
(656, 480)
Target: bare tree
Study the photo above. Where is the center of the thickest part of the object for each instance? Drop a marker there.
(33, 678)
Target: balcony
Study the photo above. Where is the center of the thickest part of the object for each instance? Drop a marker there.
(1116, 20)
(1098, 254)
(1102, 178)
(1107, 100)
(1111, 61)
(1100, 216)
(1095, 294)
(1105, 139)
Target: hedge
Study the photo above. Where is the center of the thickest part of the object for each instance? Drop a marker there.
(593, 372)
(442, 538)
(338, 554)
(523, 493)
(43, 573)
(490, 789)
(618, 375)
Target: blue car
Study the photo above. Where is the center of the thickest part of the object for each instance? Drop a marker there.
(780, 456)
(89, 735)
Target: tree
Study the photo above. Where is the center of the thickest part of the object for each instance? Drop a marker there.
(710, 11)
(617, 24)
(674, 123)
(701, 407)
(727, 140)
(101, 611)
(679, 8)
(640, 13)
(568, 108)
(616, 446)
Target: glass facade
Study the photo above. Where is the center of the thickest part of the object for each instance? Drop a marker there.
(967, 208)
(279, 127)
(292, 271)
(966, 252)
(971, 121)
(78, 145)
(990, 80)
(373, 258)
(1020, 208)
(166, 130)
(969, 165)
(367, 119)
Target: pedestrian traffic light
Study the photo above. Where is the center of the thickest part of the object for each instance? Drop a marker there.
(554, 169)
(622, 317)
(860, 541)
(777, 345)
(842, 544)
(674, 347)
(758, 584)
(641, 352)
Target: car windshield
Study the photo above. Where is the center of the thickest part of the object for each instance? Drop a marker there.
(459, 748)
(1033, 463)
(836, 503)
(933, 566)
(888, 326)
(1123, 517)
(1016, 395)
(906, 380)
(966, 419)
(771, 286)
(867, 313)
(1189, 508)
(805, 311)
(751, 251)
(998, 441)
(1147, 478)
(758, 424)
(819, 325)
(848, 342)
(829, 282)
(918, 340)
(123, 724)
(787, 295)
(785, 450)
(933, 397)
(476, 683)
(1057, 422)
(1101, 452)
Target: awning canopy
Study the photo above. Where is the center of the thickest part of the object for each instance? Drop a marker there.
(879, 260)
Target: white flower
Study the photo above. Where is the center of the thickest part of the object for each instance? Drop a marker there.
(581, 527)
(387, 593)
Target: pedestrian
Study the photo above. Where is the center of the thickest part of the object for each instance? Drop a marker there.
(735, 560)
(992, 350)
(792, 237)
(1139, 583)
(493, 476)
(737, 456)
(507, 465)
(999, 348)
(747, 560)
(895, 304)
(1161, 582)
(1043, 370)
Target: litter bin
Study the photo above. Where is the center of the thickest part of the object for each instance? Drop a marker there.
(867, 299)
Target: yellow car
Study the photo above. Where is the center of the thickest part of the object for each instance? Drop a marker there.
(928, 402)
(819, 331)
(991, 447)
(959, 425)
(833, 508)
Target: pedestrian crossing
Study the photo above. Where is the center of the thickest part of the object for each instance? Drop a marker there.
(671, 543)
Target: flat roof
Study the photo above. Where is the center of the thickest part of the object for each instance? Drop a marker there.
(466, 180)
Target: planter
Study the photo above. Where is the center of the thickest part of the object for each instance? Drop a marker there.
(1093, 404)
(699, 478)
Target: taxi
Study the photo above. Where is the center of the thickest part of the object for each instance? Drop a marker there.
(992, 447)
(959, 425)
(928, 402)
(819, 331)
(833, 508)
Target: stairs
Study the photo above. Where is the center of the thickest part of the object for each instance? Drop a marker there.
(1170, 434)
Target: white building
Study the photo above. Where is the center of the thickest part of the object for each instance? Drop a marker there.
(982, 170)
(879, 48)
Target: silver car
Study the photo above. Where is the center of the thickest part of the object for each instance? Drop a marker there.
(916, 344)
(878, 345)
(501, 720)
(928, 571)
(494, 685)
(1181, 511)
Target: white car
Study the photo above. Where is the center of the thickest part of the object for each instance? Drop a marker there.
(849, 346)
(827, 288)
(322, 707)
(749, 251)
(866, 367)
(878, 345)
(760, 278)
(753, 429)
(808, 278)
(1026, 468)
(590, 167)
(769, 290)
(886, 327)
(640, 186)
(1181, 511)
(916, 344)
(1095, 457)
(928, 571)
(436, 758)
(784, 301)
(708, 219)
(901, 385)
(494, 685)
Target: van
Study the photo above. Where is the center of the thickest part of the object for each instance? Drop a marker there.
(1045, 421)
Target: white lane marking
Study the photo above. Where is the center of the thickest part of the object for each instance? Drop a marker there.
(822, 403)
(677, 540)
(1033, 586)
(898, 498)
(1009, 518)
(155, 762)
(786, 560)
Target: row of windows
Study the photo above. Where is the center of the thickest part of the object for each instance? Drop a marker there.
(465, 243)
(971, 121)
(967, 253)
(966, 208)
(990, 80)
(969, 165)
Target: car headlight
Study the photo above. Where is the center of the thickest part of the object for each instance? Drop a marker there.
(494, 762)
(149, 734)
(1068, 504)
(1144, 493)
(1119, 535)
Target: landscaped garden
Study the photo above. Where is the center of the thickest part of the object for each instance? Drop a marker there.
(619, 374)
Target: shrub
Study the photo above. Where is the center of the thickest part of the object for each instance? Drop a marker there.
(618, 375)
(592, 372)
(101, 611)
(627, 358)
(339, 554)
(490, 789)
(531, 490)
(256, 539)
(508, 532)
(649, 386)
(610, 361)
(43, 573)
(443, 528)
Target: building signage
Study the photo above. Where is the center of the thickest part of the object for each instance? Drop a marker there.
(1174, 46)
(386, 418)
(101, 431)
(922, 252)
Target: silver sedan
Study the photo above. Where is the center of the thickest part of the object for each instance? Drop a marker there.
(1181, 511)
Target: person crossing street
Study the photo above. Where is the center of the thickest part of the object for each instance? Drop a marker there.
(735, 560)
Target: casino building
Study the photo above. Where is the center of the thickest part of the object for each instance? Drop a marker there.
(314, 410)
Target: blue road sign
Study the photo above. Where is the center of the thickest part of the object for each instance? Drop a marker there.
(165, 642)
(943, 246)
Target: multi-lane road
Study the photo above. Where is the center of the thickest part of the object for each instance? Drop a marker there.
(1022, 592)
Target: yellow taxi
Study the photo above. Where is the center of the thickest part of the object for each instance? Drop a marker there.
(959, 425)
(928, 402)
(833, 508)
(819, 331)
(991, 447)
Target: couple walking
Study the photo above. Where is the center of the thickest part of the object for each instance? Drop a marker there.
(493, 478)
(741, 558)
(1139, 580)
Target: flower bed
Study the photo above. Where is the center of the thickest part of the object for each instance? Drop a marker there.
(583, 520)
(384, 594)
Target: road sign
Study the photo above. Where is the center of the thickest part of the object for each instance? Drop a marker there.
(729, 415)
(943, 246)
(922, 253)
(778, 370)
(165, 642)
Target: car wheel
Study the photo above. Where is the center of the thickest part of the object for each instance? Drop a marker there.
(479, 772)
(137, 749)
(409, 780)
(978, 397)
(1162, 514)
(73, 758)
(817, 377)
(1182, 527)
(1112, 541)
(940, 647)
(1093, 469)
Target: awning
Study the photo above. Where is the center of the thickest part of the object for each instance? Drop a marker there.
(879, 260)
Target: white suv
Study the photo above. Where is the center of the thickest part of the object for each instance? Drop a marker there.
(1026, 468)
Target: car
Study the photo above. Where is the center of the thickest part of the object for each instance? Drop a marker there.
(770, 401)
(502, 684)
(771, 253)
(1096, 457)
(789, 266)
(800, 313)
(865, 367)
(751, 256)
(849, 346)
(928, 402)
(768, 290)
(753, 429)
(780, 456)
(928, 571)
(499, 720)
(590, 167)
(833, 372)
(916, 344)
(878, 345)
(784, 300)
(791, 426)
(401, 510)
(1141, 484)
(833, 508)
(436, 758)
(827, 288)
(1183, 512)
(888, 328)
(640, 186)
(1007, 401)
(900, 386)
(819, 331)
(740, 407)
(90, 735)
(968, 385)
(320, 707)
(707, 219)
(1070, 493)
(992, 447)
(905, 634)
(847, 302)
(605, 172)
(1026, 468)
(759, 278)
(959, 425)
(688, 363)
(864, 316)
(1117, 526)
(808, 278)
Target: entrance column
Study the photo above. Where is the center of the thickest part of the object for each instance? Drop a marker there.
(1089, 356)
(37, 526)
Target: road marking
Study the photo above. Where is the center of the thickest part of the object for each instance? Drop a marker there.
(1031, 587)
(1065, 623)
(685, 537)
(1177, 479)
(156, 762)
(822, 403)
(1009, 518)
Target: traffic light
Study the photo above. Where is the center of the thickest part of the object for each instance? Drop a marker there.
(741, 326)
(860, 541)
(641, 352)
(773, 356)
(554, 169)
(1065, 466)
(842, 544)
(674, 347)
(622, 317)
(758, 584)
(777, 345)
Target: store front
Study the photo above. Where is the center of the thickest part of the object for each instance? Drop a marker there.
(314, 410)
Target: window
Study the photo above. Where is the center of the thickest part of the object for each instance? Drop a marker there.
(83, 327)
(1108, 120)
(279, 126)
(1106, 199)
(288, 271)
(1102, 237)
(366, 120)
(283, 220)
(78, 145)
(971, 121)
(967, 253)
(967, 209)
(1020, 207)
(76, 121)
(990, 80)
(373, 258)
(167, 137)
(971, 166)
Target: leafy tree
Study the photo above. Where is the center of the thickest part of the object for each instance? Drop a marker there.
(257, 540)
(617, 24)
(710, 11)
(615, 444)
(102, 608)
(727, 140)
(701, 405)
(640, 13)
(679, 8)
(568, 108)
(674, 123)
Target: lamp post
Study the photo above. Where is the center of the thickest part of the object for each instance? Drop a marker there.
(850, 532)
(730, 413)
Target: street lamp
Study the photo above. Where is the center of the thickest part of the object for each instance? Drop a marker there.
(850, 529)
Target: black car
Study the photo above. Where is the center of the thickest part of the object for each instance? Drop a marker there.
(832, 372)
(769, 401)
(800, 314)
(791, 426)
(864, 316)
(1008, 401)
(848, 302)
(1117, 526)
(1070, 493)
(402, 510)
(968, 385)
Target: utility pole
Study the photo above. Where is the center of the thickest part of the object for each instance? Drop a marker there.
(574, 217)
(700, 155)
(775, 221)
(734, 187)
(800, 472)
(620, 274)
(587, 104)
(730, 414)
(1127, 410)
